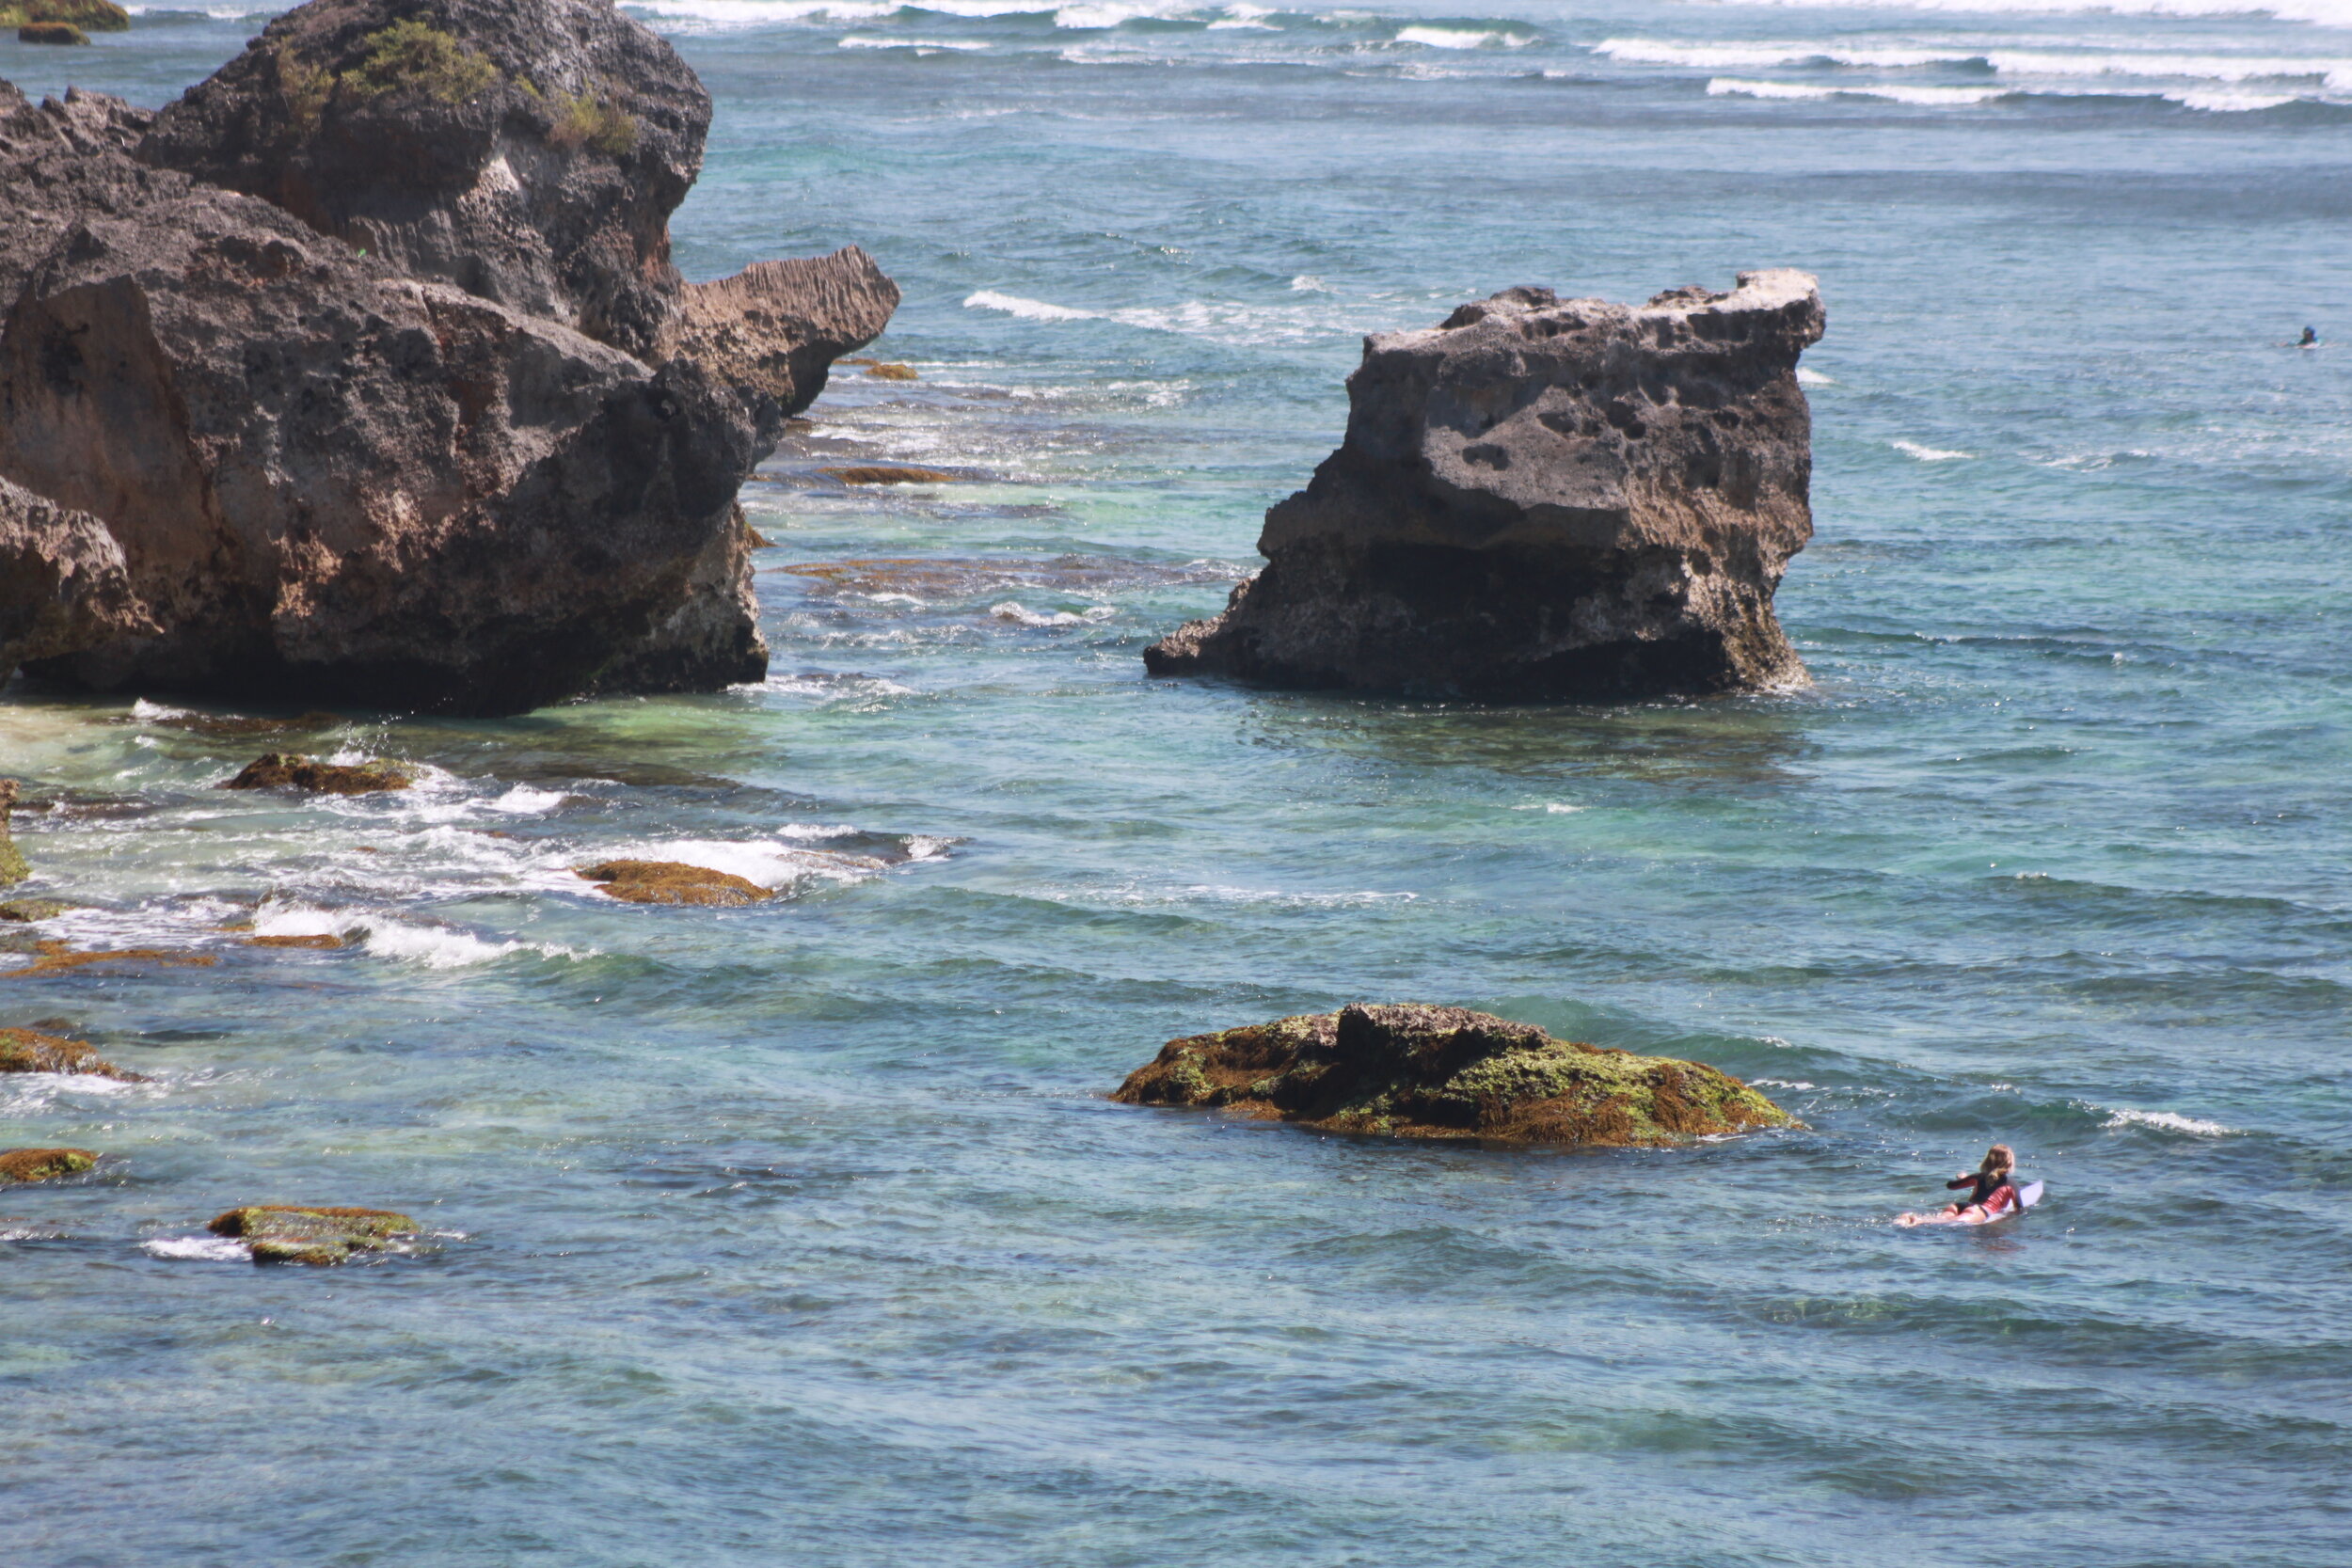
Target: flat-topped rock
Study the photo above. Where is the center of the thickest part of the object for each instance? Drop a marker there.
(45, 1165)
(673, 882)
(30, 1050)
(1422, 1071)
(1545, 498)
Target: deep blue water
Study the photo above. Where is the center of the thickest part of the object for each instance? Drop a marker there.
(801, 1234)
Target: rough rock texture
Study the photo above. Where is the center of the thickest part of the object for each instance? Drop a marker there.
(372, 366)
(96, 16)
(1543, 500)
(1446, 1072)
(63, 584)
(45, 1165)
(533, 159)
(51, 32)
(26, 911)
(291, 1233)
(777, 326)
(327, 481)
(288, 770)
(30, 1050)
(673, 882)
(12, 867)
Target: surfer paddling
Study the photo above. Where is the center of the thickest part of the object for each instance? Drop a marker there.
(1991, 1192)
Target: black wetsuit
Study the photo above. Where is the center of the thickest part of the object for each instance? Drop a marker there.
(1985, 1186)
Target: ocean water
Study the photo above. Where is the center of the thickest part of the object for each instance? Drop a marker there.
(804, 1234)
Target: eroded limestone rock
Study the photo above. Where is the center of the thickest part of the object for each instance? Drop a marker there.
(1542, 499)
(1446, 1072)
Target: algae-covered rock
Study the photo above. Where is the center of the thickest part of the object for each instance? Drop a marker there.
(885, 473)
(51, 32)
(286, 769)
(30, 1050)
(96, 16)
(1447, 1072)
(294, 1233)
(12, 867)
(23, 911)
(45, 1165)
(52, 957)
(672, 883)
(322, 940)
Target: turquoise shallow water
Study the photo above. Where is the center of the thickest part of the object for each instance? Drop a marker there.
(803, 1234)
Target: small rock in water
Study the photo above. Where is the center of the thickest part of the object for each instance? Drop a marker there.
(1421, 1071)
(317, 939)
(25, 911)
(672, 883)
(291, 1233)
(51, 32)
(279, 770)
(892, 373)
(45, 1165)
(30, 1050)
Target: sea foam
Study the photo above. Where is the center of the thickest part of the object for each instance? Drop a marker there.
(2170, 1121)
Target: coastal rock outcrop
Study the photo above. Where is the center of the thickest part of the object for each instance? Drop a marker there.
(12, 867)
(373, 368)
(1545, 498)
(1446, 1072)
(293, 1233)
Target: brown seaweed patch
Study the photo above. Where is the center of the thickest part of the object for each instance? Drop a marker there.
(885, 372)
(673, 882)
(890, 473)
(30, 1050)
(319, 939)
(55, 958)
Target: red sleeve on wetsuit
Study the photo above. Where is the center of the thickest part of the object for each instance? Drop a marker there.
(1966, 1181)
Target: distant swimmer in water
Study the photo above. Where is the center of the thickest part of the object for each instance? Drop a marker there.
(2310, 338)
(1991, 1192)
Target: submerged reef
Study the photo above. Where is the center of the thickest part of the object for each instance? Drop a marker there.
(1545, 498)
(362, 373)
(291, 1233)
(1419, 1071)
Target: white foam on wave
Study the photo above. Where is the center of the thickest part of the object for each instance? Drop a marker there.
(523, 801)
(1808, 376)
(1463, 37)
(433, 946)
(762, 13)
(772, 864)
(1763, 56)
(146, 712)
(1230, 323)
(1929, 454)
(1011, 610)
(1937, 98)
(2328, 14)
(2170, 1121)
(1027, 309)
(206, 1249)
(857, 42)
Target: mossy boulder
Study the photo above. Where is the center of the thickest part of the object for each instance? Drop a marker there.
(1421, 1071)
(12, 867)
(24, 911)
(45, 1165)
(673, 882)
(93, 16)
(51, 32)
(295, 1233)
(30, 1050)
(290, 771)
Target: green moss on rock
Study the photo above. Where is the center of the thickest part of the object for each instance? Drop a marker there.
(12, 867)
(23, 911)
(45, 1165)
(1446, 1072)
(51, 32)
(413, 55)
(294, 1233)
(90, 16)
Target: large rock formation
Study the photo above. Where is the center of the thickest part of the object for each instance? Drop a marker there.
(1545, 498)
(368, 360)
(1446, 1072)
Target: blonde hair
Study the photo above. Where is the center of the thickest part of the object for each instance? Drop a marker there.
(2000, 1157)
